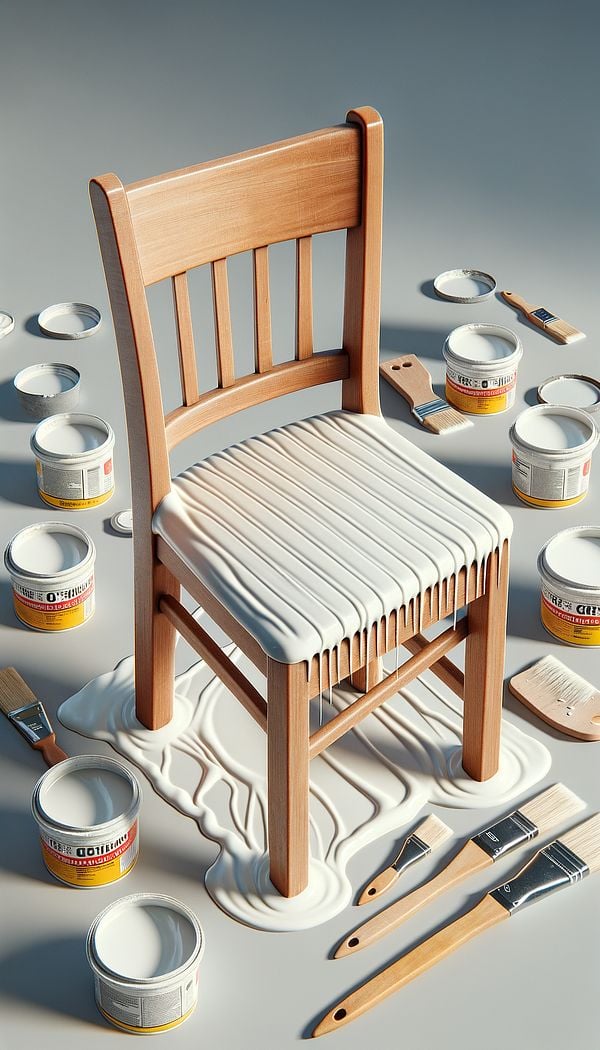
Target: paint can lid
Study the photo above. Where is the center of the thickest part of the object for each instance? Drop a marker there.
(122, 522)
(464, 286)
(7, 323)
(76, 320)
(572, 558)
(46, 389)
(571, 391)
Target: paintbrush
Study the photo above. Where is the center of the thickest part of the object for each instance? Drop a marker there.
(559, 330)
(560, 696)
(412, 380)
(427, 836)
(536, 817)
(561, 863)
(28, 714)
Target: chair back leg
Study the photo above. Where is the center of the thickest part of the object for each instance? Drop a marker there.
(154, 645)
(484, 673)
(368, 676)
(288, 781)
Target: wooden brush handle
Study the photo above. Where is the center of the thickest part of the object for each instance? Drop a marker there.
(519, 302)
(469, 860)
(378, 885)
(485, 914)
(50, 750)
(410, 378)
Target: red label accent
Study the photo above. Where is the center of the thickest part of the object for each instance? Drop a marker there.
(108, 466)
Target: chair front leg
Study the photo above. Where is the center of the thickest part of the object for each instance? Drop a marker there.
(287, 776)
(155, 639)
(484, 673)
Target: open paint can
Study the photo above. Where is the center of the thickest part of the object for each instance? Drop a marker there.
(74, 460)
(569, 567)
(145, 952)
(51, 567)
(552, 455)
(87, 811)
(481, 368)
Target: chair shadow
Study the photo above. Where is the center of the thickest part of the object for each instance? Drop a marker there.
(21, 852)
(18, 482)
(52, 975)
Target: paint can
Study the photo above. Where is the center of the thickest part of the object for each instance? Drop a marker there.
(552, 455)
(74, 460)
(481, 368)
(144, 951)
(87, 810)
(51, 567)
(569, 568)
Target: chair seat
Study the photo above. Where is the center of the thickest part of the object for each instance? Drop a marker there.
(314, 531)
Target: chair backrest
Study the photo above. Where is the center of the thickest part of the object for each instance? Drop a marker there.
(162, 227)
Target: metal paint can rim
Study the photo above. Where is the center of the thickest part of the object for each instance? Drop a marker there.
(40, 405)
(452, 354)
(66, 419)
(64, 769)
(62, 576)
(585, 447)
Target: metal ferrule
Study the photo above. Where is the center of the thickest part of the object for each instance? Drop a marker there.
(32, 721)
(429, 408)
(506, 835)
(413, 849)
(553, 867)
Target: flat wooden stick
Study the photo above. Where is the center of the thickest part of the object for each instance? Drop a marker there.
(484, 915)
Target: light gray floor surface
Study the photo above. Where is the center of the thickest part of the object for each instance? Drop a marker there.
(492, 161)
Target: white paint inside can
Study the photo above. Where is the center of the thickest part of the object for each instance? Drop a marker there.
(47, 382)
(574, 555)
(87, 797)
(47, 551)
(72, 437)
(553, 431)
(480, 344)
(143, 940)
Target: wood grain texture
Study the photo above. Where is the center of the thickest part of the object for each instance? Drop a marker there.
(409, 378)
(362, 297)
(444, 669)
(287, 771)
(279, 192)
(580, 720)
(470, 859)
(263, 351)
(304, 299)
(368, 676)
(484, 672)
(223, 334)
(378, 885)
(559, 330)
(378, 694)
(185, 339)
(487, 913)
(229, 673)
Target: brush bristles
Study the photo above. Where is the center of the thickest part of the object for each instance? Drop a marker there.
(563, 684)
(433, 832)
(14, 692)
(584, 841)
(564, 331)
(445, 420)
(553, 806)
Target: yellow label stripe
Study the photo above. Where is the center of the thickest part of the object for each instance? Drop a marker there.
(75, 504)
(146, 1031)
(548, 502)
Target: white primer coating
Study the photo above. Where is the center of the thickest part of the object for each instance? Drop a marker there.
(87, 797)
(573, 556)
(553, 429)
(481, 344)
(142, 939)
(571, 391)
(48, 549)
(209, 763)
(46, 381)
(69, 434)
(314, 532)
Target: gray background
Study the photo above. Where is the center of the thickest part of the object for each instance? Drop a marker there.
(492, 162)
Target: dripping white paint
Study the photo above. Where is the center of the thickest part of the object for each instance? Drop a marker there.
(209, 763)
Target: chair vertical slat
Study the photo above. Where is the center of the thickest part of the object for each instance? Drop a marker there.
(185, 339)
(263, 352)
(304, 305)
(223, 338)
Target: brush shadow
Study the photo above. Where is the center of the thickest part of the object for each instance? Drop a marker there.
(54, 976)
(18, 482)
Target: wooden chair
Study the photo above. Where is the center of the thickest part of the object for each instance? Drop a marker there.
(161, 228)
